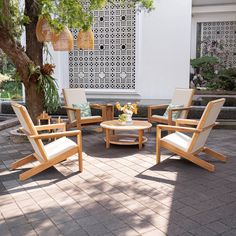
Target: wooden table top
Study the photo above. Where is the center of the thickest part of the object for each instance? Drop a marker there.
(116, 125)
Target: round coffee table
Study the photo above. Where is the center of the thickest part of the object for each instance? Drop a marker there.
(125, 139)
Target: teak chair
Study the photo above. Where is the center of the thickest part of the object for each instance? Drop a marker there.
(189, 147)
(50, 154)
(181, 96)
(75, 96)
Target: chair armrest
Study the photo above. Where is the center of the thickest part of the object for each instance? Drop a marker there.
(170, 122)
(100, 107)
(97, 106)
(178, 128)
(186, 122)
(152, 107)
(51, 126)
(180, 109)
(56, 135)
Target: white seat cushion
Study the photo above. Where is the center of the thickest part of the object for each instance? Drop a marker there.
(179, 140)
(90, 117)
(58, 147)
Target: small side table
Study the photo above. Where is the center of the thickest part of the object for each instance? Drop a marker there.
(109, 112)
(44, 117)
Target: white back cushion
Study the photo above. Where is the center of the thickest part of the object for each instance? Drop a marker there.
(182, 96)
(213, 112)
(201, 140)
(27, 124)
(29, 127)
(208, 118)
(74, 96)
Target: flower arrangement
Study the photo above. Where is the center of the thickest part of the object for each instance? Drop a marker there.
(128, 107)
(128, 110)
(122, 118)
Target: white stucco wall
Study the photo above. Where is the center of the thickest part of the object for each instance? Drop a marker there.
(163, 49)
(162, 56)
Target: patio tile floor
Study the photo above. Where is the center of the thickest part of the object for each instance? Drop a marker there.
(120, 192)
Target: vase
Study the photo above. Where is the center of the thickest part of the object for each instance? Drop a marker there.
(129, 120)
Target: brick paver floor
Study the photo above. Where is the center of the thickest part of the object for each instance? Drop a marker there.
(120, 192)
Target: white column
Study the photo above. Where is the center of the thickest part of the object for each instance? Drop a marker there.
(61, 72)
(164, 49)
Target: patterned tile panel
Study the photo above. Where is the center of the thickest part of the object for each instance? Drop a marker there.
(225, 31)
(111, 65)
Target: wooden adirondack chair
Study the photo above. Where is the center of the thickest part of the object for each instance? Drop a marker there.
(49, 154)
(76, 96)
(181, 96)
(189, 147)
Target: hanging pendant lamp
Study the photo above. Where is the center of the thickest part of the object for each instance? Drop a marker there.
(85, 39)
(63, 41)
(43, 30)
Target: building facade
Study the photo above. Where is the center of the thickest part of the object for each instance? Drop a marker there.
(144, 55)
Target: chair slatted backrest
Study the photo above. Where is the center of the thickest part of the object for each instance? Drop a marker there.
(206, 124)
(28, 127)
(73, 96)
(183, 96)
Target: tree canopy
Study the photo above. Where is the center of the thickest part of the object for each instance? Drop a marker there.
(73, 13)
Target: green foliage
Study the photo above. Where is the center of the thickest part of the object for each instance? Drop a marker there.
(6, 66)
(10, 89)
(72, 13)
(205, 61)
(51, 97)
(78, 14)
(47, 84)
(213, 70)
(12, 17)
(226, 80)
(205, 66)
(122, 117)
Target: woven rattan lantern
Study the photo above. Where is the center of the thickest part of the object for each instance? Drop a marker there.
(63, 41)
(85, 39)
(43, 31)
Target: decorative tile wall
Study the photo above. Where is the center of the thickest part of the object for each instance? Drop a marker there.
(111, 65)
(225, 31)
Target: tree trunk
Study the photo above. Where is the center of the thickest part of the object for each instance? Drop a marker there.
(22, 59)
(34, 50)
(34, 101)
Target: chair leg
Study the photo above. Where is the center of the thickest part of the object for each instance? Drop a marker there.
(79, 126)
(80, 157)
(198, 161)
(158, 145)
(215, 154)
(150, 121)
(35, 170)
(23, 161)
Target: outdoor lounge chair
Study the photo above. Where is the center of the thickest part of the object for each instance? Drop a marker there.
(49, 154)
(189, 147)
(77, 96)
(182, 97)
